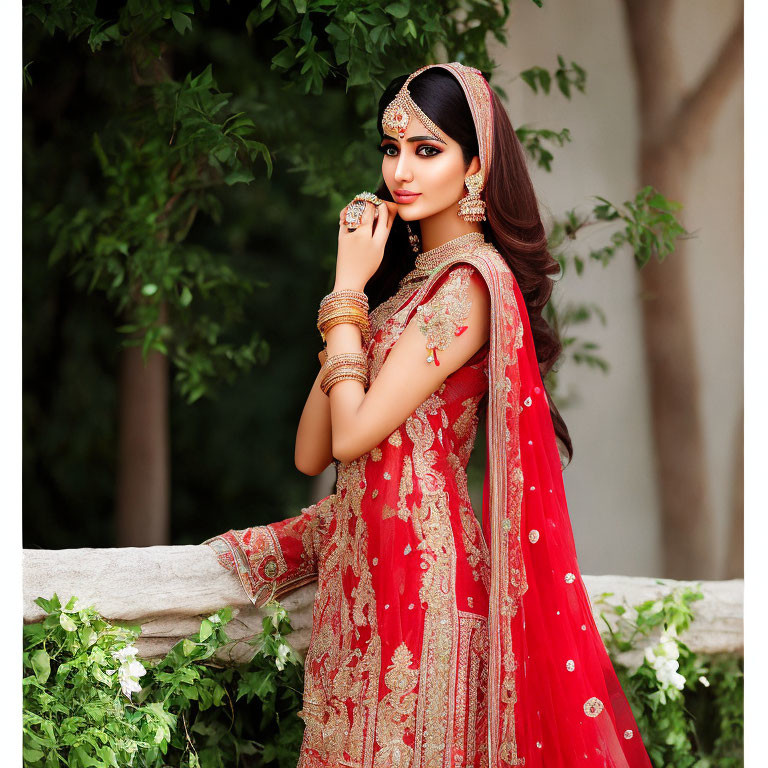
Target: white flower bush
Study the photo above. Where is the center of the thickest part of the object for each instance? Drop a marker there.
(663, 658)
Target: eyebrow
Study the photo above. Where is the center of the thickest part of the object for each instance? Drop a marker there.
(415, 138)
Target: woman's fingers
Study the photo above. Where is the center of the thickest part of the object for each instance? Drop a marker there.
(384, 224)
(367, 216)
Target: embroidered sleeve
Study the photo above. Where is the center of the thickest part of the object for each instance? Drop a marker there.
(444, 316)
(273, 559)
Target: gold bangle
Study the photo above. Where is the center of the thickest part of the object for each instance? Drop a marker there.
(342, 375)
(353, 365)
(362, 323)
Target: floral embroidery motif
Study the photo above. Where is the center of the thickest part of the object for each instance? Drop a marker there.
(569, 578)
(397, 715)
(533, 535)
(396, 438)
(444, 315)
(628, 734)
(569, 665)
(376, 454)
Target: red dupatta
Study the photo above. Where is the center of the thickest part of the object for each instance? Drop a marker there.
(554, 698)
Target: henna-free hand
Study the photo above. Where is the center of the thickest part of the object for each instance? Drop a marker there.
(360, 252)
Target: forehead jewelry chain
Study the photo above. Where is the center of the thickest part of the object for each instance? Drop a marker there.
(398, 112)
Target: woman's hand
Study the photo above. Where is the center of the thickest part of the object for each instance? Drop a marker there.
(360, 252)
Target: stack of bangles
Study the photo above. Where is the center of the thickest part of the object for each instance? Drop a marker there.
(344, 306)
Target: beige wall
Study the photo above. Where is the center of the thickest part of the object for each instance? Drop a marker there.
(609, 484)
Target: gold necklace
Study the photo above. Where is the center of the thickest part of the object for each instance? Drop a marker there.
(434, 257)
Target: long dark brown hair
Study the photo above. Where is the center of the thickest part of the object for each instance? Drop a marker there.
(513, 221)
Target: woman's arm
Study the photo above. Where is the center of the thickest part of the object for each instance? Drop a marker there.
(360, 420)
(313, 438)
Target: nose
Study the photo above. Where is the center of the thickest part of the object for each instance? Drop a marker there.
(403, 174)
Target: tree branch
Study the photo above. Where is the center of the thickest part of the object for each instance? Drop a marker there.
(696, 115)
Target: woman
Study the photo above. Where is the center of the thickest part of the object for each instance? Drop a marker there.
(437, 642)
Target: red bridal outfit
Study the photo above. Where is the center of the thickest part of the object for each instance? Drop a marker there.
(437, 643)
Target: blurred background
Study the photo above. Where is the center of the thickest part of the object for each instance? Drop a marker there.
(182, 182)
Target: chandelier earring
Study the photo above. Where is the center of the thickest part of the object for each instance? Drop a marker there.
(471, 207)
(413, 239)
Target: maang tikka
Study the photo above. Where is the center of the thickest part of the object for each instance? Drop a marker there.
(477, 91)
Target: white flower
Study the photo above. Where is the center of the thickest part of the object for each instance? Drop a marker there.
(130, 670)
(125, 653)
(129, 675)
(282, 654)
(663, 658)
(703, 680)
(215, 618)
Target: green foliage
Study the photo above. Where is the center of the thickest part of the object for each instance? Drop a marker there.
(646, 224)
(688, 707)
(160, 168)
(79, 709)
(191, 711)
(564, 76)
(170, 145)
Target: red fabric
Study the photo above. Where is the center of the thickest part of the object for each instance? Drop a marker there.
(437, 641)
(555, 623)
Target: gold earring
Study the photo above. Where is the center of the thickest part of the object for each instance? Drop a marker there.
(413, 238)
(471, 207)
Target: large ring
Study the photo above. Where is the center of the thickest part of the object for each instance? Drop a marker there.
(356, 209)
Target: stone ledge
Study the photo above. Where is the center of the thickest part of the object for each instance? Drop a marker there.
(168, 590)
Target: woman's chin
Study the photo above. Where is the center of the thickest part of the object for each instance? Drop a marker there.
(408, 211)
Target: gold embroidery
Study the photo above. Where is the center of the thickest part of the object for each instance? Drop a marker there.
(376, 454)
(443, 316)
(397, 711)
(396, 438)
(471, 714)
(431, 521)
(406, 488)
(344, 656)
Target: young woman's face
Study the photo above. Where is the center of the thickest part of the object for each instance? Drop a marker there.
(431, 169)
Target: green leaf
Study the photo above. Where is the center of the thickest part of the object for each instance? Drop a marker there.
(181, 21)
(398, 10)
(67, 623)
(41, 665)
(149, 289)
(206, 629)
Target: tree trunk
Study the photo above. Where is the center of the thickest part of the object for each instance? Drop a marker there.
(142, 514)
(142, 494)
(674, 128)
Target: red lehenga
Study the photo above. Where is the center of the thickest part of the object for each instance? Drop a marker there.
(437, 643)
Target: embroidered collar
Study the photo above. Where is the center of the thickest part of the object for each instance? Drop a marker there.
(433, 258)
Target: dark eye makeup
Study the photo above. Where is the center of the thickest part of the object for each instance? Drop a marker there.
(384, 147)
